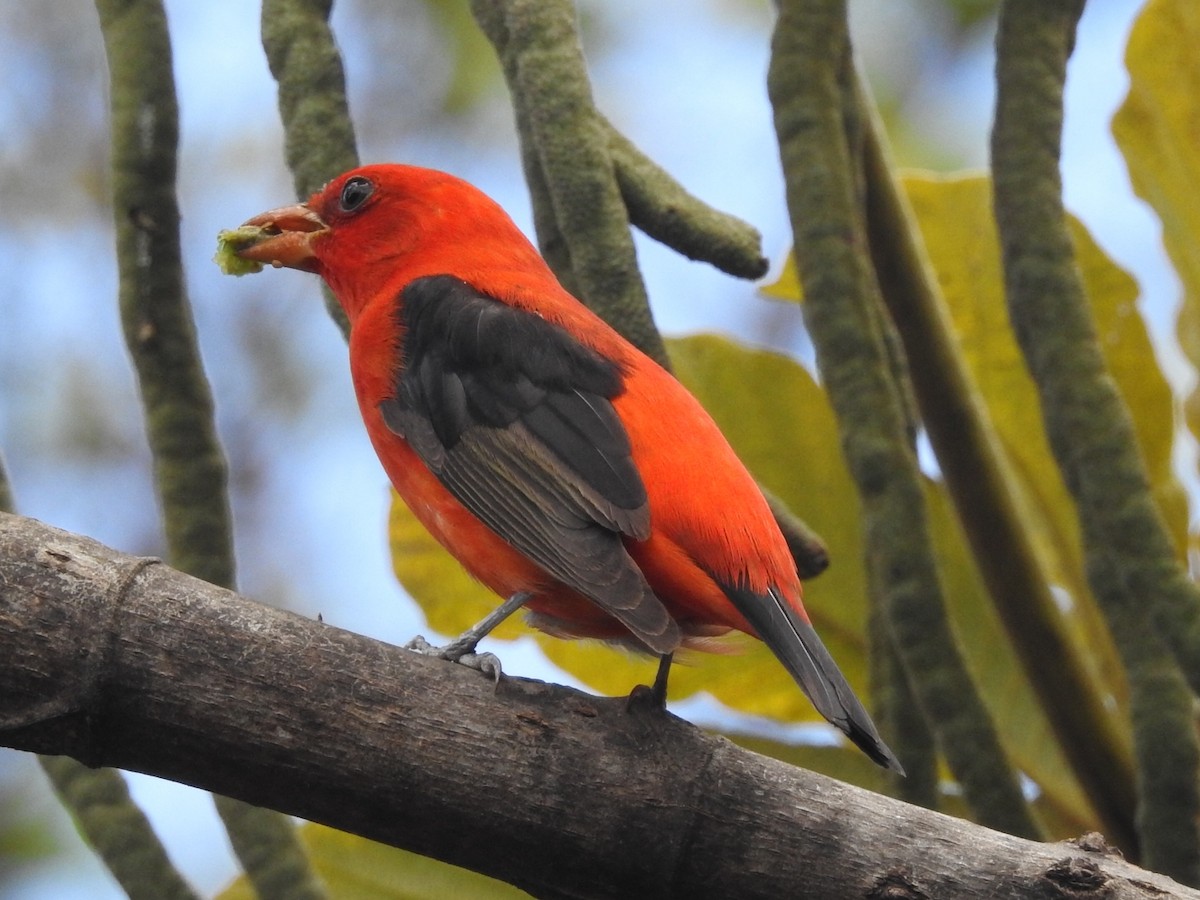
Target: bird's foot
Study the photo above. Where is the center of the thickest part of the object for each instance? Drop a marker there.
(462, 648)
(651, 697)
(642, 698)
(462, 652)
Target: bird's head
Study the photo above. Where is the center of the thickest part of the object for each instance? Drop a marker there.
(375, 228)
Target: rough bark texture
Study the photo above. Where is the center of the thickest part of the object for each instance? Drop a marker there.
(122, 661)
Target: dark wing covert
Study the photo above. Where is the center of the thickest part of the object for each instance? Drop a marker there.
(514, 416)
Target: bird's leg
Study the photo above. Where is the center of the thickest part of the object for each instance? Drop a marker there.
(658, 690)
(466, 642)
(462, 648)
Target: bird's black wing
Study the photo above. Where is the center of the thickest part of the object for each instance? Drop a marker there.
(514, 416)
(796, 644)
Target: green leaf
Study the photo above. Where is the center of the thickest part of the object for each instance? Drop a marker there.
(956, 222)
(1157, 129)
(955, 218)
(354, 868)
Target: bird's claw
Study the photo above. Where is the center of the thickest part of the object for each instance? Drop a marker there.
(462, 653)
(419, 645)
(652, 696)
(645, 698)
(487, 663)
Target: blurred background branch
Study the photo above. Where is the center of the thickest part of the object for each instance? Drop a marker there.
(1131, 563)
(810, 63)
(190, 471)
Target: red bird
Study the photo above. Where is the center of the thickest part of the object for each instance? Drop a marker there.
(561, 466)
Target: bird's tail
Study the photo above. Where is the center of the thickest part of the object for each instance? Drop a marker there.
(795, 642)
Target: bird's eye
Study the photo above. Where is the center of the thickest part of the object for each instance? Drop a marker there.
(355, 192)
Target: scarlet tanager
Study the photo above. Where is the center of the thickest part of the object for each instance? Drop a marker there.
(560, 465)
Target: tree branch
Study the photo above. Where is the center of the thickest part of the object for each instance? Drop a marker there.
(122, 661)
(661, 207)
(117, 829)
(579, 214)
(810, 62)
(318, 133)
(1132, 567)
(106, 816)
(970, 460)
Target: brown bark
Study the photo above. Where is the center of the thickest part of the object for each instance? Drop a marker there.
(125, 662)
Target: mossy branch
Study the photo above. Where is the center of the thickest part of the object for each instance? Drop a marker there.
(1087, 422)
(104, 813)
(189, 465)
(895, 702)
(490, 16)
(807, 547)
(1129, 556)
(318, 135)
(810, 59)
(268, 846)
(1162, 711)
(7, 503)
(587, 181)
(662, 208)
(967, 450)
(898, 713)
(577, 201)
(120, 833)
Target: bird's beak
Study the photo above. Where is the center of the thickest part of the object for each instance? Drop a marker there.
(286, 238)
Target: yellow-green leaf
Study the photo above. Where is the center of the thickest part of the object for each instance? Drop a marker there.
(955, 219)
(956, 222)
(847, 764)
(954, 214)
(451, 599)
(1018, 716)
(475, 64)
(779, 422)
(787, 285)
(1158, 130)
(354, 868)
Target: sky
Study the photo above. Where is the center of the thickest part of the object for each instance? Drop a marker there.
(684, 78)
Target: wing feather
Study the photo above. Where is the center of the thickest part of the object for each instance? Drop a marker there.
(796, 644)
(515, 418)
